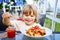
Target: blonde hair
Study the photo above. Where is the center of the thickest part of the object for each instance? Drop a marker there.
(27, 9)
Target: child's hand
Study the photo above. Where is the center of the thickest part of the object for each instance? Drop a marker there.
(6, 18)
(10, 28)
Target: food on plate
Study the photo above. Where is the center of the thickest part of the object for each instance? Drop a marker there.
(36, 31)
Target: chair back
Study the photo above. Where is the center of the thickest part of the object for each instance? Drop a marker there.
(41, 19)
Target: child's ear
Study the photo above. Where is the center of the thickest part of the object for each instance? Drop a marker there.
(35, 20)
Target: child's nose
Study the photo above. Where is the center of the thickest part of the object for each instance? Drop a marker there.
(29, 16)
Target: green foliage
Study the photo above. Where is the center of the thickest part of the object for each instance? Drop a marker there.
(57, 25)
(48, 23)
(24, 1)
(1, 6)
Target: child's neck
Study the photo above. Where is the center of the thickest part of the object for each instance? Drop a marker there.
(30, 24)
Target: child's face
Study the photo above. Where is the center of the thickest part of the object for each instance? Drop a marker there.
(29, 19)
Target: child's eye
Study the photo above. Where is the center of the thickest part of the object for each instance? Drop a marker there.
(26, 15)
(31, 15)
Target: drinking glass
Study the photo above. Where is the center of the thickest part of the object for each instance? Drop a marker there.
(11, 32)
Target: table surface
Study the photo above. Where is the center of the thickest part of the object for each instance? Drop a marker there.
(20, 36)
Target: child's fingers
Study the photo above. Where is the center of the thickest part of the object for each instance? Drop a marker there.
(6, 15)
(10, 28)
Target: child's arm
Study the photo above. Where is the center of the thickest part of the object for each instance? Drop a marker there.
(16, 24)
(19, 24)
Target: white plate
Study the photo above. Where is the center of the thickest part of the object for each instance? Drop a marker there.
(47, 30)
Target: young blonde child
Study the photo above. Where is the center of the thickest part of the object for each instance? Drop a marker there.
(29, 14)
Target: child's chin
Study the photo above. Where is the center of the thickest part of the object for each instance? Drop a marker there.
(28, 23)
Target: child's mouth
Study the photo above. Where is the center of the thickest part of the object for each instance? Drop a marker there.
(28, 20)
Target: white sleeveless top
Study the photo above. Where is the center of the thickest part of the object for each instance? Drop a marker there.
(21, 26)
